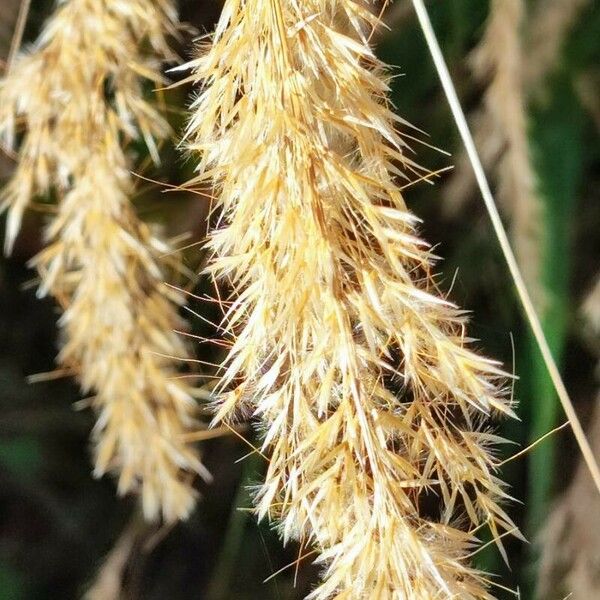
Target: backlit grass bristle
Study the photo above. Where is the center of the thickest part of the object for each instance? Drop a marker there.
(371, 403)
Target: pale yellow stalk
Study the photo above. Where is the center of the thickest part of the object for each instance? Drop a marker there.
(78, 97)
(357, 367)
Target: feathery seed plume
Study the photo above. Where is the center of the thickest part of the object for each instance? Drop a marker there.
(77, 98)
(89, 50)
(372, 405)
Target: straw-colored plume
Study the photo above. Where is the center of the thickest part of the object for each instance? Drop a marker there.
(90, 51)
(371, 403)
(77, 97)
(500, 130)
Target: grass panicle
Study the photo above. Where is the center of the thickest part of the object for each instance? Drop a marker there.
(551, 23)
(69, 107)
(372, 405)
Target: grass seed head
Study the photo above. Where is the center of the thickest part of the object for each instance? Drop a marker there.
(359, 369)
(69, 106)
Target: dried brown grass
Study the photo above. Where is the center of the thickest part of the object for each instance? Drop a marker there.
(500, 131)
(550, 23)
(532, 44)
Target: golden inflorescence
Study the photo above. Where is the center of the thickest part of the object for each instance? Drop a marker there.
(373, 407)
(70, 106)
(356, 366)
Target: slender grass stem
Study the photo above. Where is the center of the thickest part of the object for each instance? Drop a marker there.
(523, 294)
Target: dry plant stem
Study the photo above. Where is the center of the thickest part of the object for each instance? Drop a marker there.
(500, 232)
(108, 584)
(499, 59)
(343, 347)
(77, 98)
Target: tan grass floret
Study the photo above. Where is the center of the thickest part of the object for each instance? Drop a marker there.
(78, 98)
(371, 402)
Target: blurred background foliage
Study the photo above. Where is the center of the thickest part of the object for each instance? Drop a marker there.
(62, 532)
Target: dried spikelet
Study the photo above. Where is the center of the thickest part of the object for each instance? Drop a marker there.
(119, 327)
(335, 309)
(79, 94)
(501, 135)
